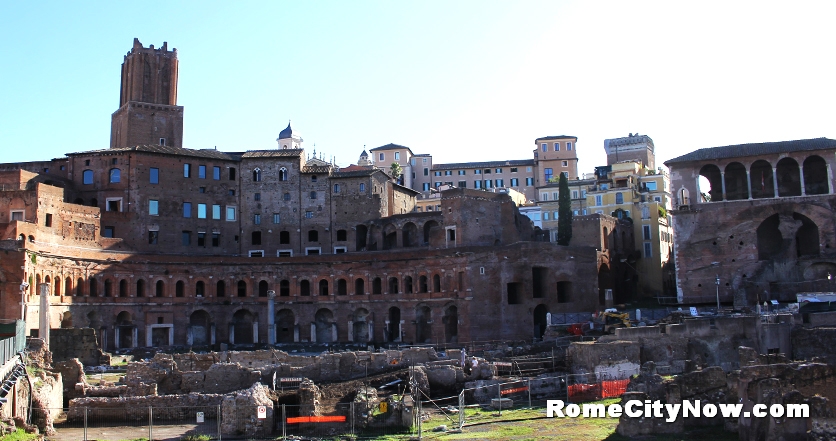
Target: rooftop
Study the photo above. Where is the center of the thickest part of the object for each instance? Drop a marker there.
(755, 149)
(485, 164)
(161, 149)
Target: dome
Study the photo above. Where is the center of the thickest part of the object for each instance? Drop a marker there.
(286, 133)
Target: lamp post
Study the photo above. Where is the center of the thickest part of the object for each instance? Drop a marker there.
(717, 282)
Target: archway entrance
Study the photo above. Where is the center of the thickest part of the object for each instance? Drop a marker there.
(540, 323)
(242, 327)
(200, 327)
(423, 326)
(285, 326)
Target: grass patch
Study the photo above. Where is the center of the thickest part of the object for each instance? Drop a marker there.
(20, 435)
(201, 437)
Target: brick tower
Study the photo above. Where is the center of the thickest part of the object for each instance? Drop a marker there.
(148, 112)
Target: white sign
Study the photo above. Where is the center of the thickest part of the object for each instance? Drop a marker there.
(200, 417)
(262, 412)
(694, 311)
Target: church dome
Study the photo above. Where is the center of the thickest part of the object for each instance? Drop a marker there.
(286, 133)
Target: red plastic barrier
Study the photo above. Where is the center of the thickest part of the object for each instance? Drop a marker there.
(596, 391)
(317, 419)
(613, 388)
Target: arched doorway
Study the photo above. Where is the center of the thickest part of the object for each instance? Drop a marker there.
(360, 325)
(423, 327)
(360, 237)
(430, 228)
(285, 326)
(410, 235)
(763, 185)
(451, 324)
(390, 237)
(540, 323)
(393, 328)
(815, 176)
(711, 183)
(125, 328)
(324, 324)
(789, 178)
(737, 183)
(201, 328)
(242, 326)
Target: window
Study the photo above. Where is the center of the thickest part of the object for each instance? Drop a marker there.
(201, 239)
(115, 175)
(425, 187)
(87, 177)
(48, 220)
(651, 186)
(426, 171)
(544, 196)
(599, 200)
(500, 182)
(256, 196)
(362, 187)
(555, 196)
(544, 147)
(232, 173)
(565, 163)
(216, 239)
(397, 156)
(462, 184)
(499, 170)
(438, 173)
(437, 184)
(477, 172)
(313, 236)
(187, 170)
(619, 198)
(487, 171)
(448, 172)
(216, 173)
(153, 236)
(201, 172)
(574, 194)
(153, 207)
(86, 162)
(477, 184)
(568, 146)
(557, 146)
(529, 182)
(257, 219)
(313, 178)
(604, 186)
(513, 169)
(276, 218)
(201, 211)
(230, 213)
(255, 238)
(283, 174)
(216, 211)
(648, 249)
(646, 232)
(545, 215)
(336, 188)
(231, 192)
(257, 175)
(309, 215)
(584, 211)
(461, 172)
(548, 173)
(313, 195)
(162, 141)
(113, 204)
(284, 237)
(186, 238)
(342, 235)
(286, 196)
(313, 251)
(187, 209)
(515, 182)
(108, 232)
(488, 183)
(381, 156)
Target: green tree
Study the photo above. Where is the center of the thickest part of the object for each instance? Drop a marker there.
(395, 170)
(564, 212)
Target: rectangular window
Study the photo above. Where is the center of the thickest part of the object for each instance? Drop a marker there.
(216, 211)
(216, 173)
(648, 249)
(544, 147)
(488, 183)
(154, 207)
(186, 238)
(555, 196)
(187, 209)
(477, 184)
(646, 232)
(113, 204)
(544, 197)
(397, 156)
(557, 146)
(309, 215)
(477, 172)
(153, 236)
(108, 232)
(487, 171)
(276, 218)
(599, 200)
(187, 170)
(154, 175)
(201, 211)
(565, 163)
(437, 184)
(201, 171)
(256, 196)
(528, 169)
(257, 219)
(529, 182)
(336, 188)
(515, 182)
(362, 187)
(231, 192)
(545, 215)
(48, 220)
(513, 169)
(568, 146)
(381, 156)
(216, 239)
(651, 186)
(426, 171)
(230, 213)
(201, 239)
(500, 182)
(461, 172)
(574, 194)
(584, 211)
(426, 186)
(548, 173)
(499, 170)
(438, 173)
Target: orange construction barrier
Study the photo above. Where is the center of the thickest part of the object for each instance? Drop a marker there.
(317, 419)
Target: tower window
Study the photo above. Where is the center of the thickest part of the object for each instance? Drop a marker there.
(162, 141)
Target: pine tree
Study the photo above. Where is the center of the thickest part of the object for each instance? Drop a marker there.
(564, 212)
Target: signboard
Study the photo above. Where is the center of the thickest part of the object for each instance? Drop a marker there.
(694, 311)
(262, 412)
(200, 417)
(384, 407)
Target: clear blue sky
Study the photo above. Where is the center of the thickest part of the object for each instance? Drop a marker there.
(459, 80)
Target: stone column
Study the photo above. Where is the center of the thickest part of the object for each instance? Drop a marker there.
(334, 337)
(749, 182)
(116, 332)
(775, 180)
(699, 193)
(801, 177)
(148, 336)
(43, 320)
(189, 335)
(313, 332)
(386, 332)
(271, 317)
(255, 332)
(212, 334)
(296, 333)
(231, 333)
(350, 331)
(371, 332)
(400, 332)
(723, 181)
(134, 337)
(171, 336)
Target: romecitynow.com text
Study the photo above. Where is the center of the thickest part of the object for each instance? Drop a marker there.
(670, 412)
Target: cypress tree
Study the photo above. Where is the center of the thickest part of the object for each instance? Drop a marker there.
(564, 212)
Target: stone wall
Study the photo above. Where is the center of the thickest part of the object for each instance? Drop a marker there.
(80, 343)
(607, 360)
(809, 343)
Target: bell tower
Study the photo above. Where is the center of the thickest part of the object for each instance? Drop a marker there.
(148, 113)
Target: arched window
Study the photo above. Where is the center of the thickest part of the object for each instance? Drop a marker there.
(305, 288)
(242, 288)
(115, 175)
(619, 198)
(422, 284)
(199, 289)
(140, 288)
(359, 287)
(262, 288)
(94, 288)
(108, 288)
(220, 289)
(87, 177)
(159, 290)
(436, 283)
(393, 285)
(257, 175)
(57, 291)
(179, 289)
(79, 287)
(313, 178)
(286, 196)
(282, 174)
(342, 288)
(376, 286)
(123, 288)
(323, 287)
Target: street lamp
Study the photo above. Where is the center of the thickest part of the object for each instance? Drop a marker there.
(717, 282)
